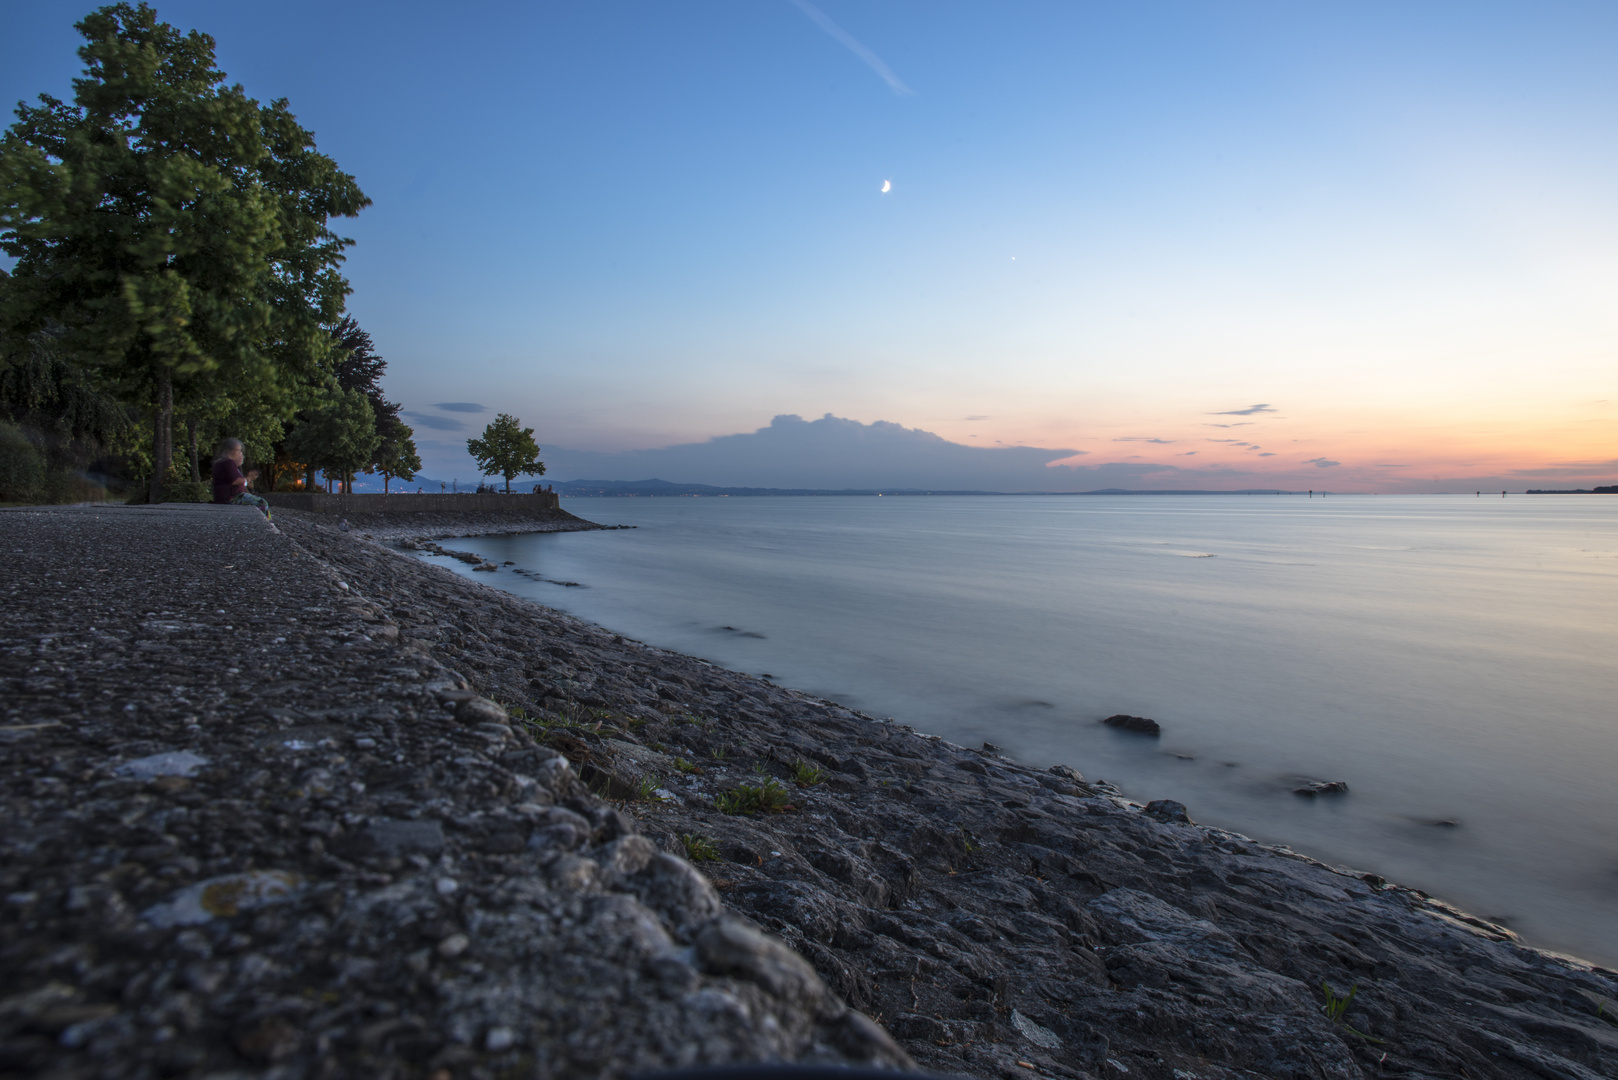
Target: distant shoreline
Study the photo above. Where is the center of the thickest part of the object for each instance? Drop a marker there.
(652, 489)
(645, 489)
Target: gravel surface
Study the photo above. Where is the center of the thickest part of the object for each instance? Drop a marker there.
(250, 831)
(1000, 920)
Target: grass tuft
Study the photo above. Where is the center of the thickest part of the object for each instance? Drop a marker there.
(769, 798)
(1336, 1009)
(699, 848)
(807, 775)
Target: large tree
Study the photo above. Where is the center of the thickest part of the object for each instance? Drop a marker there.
(507, 449)
(171, 229)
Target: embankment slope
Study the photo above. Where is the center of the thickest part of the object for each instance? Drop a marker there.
(995, 918)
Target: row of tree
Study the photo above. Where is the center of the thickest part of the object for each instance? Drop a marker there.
(176, 273)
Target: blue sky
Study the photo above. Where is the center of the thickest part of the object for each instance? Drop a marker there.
(641, 224)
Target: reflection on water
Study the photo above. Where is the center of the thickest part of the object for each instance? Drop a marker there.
(1454, 660)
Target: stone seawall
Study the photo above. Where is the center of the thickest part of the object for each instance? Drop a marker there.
(410, 503)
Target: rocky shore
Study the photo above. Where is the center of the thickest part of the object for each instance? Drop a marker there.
(301, 804)
(395, 525)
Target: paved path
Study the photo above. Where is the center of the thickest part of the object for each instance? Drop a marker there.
(250, 833)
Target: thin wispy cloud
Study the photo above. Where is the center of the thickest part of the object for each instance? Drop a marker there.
(1322, 463)
(1144, 438)
(461, 406)
(1239, 423)
(1251, 410)
(855, 46)
(437, 423)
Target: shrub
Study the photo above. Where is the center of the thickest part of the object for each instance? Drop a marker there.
(22, 470)
(188, 491)
(65, 486)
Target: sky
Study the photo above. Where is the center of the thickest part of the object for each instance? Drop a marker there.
(1365, 246)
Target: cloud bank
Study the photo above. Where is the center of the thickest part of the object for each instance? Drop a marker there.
(837, 453)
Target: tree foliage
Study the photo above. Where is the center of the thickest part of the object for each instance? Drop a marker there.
(339, 436)
(173, 231)
(359, 367)
(396, 456)
(72, 418)
(507, 449)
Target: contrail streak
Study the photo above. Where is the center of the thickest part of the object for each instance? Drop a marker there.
(855, 46)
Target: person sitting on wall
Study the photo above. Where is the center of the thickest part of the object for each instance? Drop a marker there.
(229, 483)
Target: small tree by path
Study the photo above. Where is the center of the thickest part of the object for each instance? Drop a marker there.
(507, 449)
(396, 454)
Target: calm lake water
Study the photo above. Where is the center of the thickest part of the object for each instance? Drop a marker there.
(1452, 658)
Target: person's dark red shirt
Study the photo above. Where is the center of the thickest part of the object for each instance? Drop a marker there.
(228, 481)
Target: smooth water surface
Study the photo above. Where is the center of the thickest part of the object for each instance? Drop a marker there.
(1453, 659)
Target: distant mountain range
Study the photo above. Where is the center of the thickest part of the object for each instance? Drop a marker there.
(663, 488)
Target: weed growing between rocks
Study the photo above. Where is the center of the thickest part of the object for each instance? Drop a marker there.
(699, 848)
(807, 775)
(769, 798)
(1336, 1008)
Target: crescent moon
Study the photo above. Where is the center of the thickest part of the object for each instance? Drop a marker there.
(886, 187)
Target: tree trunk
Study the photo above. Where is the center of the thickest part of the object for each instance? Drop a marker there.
(309, 480)
(162, 433)
(191, 434)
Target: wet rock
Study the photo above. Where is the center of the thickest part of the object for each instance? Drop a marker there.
(1138, 724)
(1170, 811)
(1322, 787)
